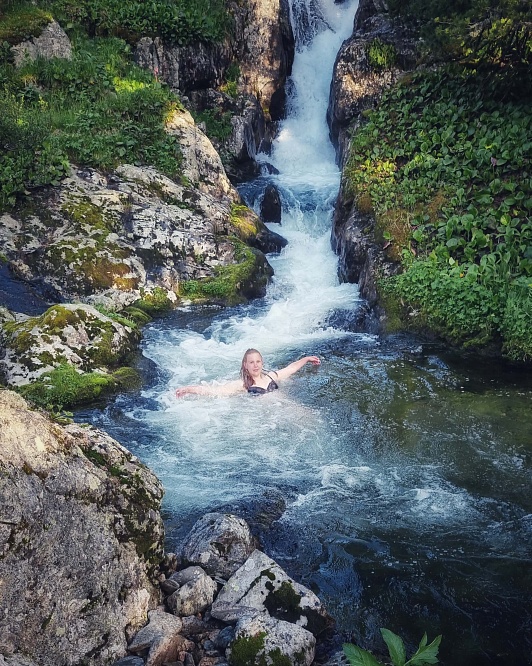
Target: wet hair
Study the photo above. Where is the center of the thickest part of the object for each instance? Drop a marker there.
(246, 377)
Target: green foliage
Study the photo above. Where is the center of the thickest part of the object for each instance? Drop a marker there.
(381, 55)
(153, 302)
(97, 110)
(230, 87)
(65, 387)
(494, 37)
(177, 21)
(217, 123)
(425, 654)
(22, 22)
(446, 170)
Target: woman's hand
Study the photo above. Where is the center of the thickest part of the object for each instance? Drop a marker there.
(314, 360)
(187, 390)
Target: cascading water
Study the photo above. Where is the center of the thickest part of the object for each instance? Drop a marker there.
(400, 483)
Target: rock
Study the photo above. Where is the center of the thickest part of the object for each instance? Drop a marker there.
(53, 42)
(338, 659)
(202, 164)
(357, 84)
(270, 207)
(184, 68)
(259, 586)
(80, 534)
(195, 594)
(136, 237)
(264, 32)
(219, 543)
(129, 661)
(160, 640)
(78, 335)
(260, 639)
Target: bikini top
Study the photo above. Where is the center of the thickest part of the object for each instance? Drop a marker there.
(258, 390)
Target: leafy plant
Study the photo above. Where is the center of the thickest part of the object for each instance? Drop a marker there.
(381, 55)
(425, 654)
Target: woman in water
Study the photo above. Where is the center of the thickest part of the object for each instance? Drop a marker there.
(253, 377)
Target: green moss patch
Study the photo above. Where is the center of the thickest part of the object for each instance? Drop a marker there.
(154, 301)
(229, 282)
(22, 23)
(65, 387)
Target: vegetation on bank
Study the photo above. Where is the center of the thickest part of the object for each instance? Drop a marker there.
(97, 109)
(444, 163)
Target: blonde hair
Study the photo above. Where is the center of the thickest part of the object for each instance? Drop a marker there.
(247, 379)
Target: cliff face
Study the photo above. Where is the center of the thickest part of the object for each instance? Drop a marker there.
(80, 534)
(359, 79)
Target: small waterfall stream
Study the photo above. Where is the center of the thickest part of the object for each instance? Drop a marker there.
(399, 478)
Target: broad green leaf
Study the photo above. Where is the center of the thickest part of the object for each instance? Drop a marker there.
(426, 654)
(396, 647)
(358, 657)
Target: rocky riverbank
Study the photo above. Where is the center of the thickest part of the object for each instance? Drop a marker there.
(85, 578)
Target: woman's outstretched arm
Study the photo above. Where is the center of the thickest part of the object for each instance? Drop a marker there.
(297, 365)
(223, 389)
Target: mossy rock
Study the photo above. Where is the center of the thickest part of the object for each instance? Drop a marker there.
(66, 387)
(154, 302)
(234, 283)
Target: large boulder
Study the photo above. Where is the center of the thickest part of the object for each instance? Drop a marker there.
(81, 536)
(261, 586)
(219, 543)
(53, 42)
(136, 235)
(260, 639)
(358, 82)
(78, 335)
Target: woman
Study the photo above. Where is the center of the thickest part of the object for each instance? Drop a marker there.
(253, 377)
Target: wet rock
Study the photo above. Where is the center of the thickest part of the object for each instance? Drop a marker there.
(135, 237)
(219, 543)
(53, 42)
(270, 207)
(195, 594)
(263, 639)
(259, 586)
(80, 534)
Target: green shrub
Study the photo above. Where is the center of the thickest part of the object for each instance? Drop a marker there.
(381, 55)
(177, 21)
(97, 109)
(217, 123)
(446, 170)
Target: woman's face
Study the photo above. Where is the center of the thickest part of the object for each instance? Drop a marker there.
(253, 364)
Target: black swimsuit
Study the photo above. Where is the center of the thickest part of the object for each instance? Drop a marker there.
(258, 390)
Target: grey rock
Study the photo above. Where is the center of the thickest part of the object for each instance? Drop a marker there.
(261, 586)
(76, 334)
(129, 661)
(220, 543)
(160, 640)
(53, 42)
(77, 542)
(338, 659)
(280, 638)
(195, 595)
(356, 85)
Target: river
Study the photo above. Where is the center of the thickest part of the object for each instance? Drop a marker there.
(394, 480)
